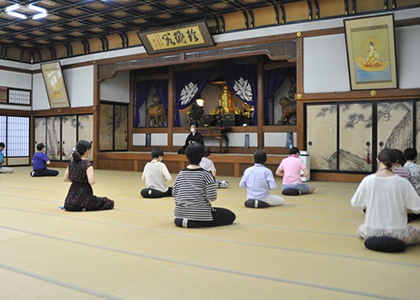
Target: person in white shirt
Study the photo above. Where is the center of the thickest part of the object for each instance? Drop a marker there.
(258, 180)
(208, 165)
(155, 174)
(387, 197)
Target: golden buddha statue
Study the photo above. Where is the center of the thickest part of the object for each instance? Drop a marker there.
(226, 105)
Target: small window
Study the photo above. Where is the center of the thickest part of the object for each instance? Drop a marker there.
(20, 97)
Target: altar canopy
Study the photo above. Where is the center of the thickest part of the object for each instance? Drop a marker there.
(189, 85)
(142, 90)
(242, 82)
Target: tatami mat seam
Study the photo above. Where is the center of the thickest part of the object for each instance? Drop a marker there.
(195, 265)
(246, 210)
(60, 283)
(216, 239)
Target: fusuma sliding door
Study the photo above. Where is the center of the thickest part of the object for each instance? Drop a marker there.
(321, 136)
(355, 135)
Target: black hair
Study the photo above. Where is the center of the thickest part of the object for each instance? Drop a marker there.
(294, 150)
(400, 157)
(81, 148)
(206, 151)
(2, 145)
(194, 153)
(410, 154)
(40, 146)
(388, 157)
(156, 152)
(260, 157)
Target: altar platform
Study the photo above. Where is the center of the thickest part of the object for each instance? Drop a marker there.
(227, 164)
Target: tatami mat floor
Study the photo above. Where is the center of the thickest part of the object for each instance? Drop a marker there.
(307, 249)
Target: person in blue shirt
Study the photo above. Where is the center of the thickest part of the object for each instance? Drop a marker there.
(259, 180)
(40, 162)
(3, 169)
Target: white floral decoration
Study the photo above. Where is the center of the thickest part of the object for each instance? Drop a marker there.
(243, 89)
(188, 92)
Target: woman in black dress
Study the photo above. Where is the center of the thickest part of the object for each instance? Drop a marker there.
(80, 173)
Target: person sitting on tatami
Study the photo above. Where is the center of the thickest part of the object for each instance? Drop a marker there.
(290, 169)
(258, 180)
(192, 138)
(410, 165)
(194, 189)
(207, 164)
(155, 174)
(3, 169)
(387, 198)
(80, 173)
(39, 163)
(400, 171)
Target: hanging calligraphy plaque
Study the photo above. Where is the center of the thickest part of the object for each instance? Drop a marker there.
(176, 38)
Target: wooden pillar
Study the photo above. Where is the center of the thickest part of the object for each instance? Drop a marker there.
(300, 125)
(299, 93)
(31, 138)
(236, 170)
(96, 107)
(131, 113)
(260, 104)
(171, 105)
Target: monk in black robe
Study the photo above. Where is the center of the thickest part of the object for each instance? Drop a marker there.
(193, 137)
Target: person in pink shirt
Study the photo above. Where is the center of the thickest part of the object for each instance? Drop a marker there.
(290, 168)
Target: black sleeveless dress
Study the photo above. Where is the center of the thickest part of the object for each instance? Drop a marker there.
(80, 194)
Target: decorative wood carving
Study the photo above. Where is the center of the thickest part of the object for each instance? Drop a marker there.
(282, 50)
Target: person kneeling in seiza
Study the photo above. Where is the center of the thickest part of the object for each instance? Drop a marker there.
(155, 174)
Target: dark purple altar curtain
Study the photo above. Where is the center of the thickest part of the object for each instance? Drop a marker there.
(162, 91)
(242, 81)
(273, 80)
(188, 86)
(142, 89)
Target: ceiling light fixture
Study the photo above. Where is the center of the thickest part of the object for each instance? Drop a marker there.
(11, 10)
(42, 11)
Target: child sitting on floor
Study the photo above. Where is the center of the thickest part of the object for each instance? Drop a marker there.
(258, 180)
(290, 168)
(80, 173)
(155, 174)
(208, 165)
(194, 189)
(39, 163)
(386, 198)
(410, 155)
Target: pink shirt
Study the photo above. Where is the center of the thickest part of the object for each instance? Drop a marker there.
(291, 168)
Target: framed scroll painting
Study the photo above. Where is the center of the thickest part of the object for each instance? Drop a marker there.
(54, 84)
(371, 53)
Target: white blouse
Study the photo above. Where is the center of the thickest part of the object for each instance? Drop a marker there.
(386, 200)
(155, 174)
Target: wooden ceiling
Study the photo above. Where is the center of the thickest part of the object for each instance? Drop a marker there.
(77, 20)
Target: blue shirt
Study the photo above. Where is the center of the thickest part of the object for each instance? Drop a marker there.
(39, 161)
(258, 180)
(1, 158)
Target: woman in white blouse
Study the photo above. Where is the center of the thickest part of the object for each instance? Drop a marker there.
(387, 197)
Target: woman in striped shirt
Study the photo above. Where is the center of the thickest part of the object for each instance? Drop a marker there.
(194, 188)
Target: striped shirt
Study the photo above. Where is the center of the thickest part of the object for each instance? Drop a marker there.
(414, 169)
(405, 174)
(193, 190)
